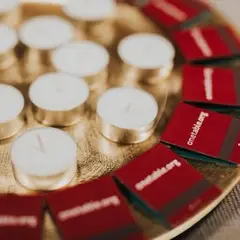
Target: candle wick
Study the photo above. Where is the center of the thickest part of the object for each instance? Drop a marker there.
(40, 143)
(128, 107)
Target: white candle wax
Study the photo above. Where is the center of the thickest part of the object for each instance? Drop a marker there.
(46, 32)
(8, 5)
(58, 92)
(11, 104)
(44, 152)
(146, 51)
(8, 38)
(83, 58)
(89, 10)
(127, 108)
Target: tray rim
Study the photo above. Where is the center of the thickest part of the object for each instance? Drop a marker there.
(199, 216)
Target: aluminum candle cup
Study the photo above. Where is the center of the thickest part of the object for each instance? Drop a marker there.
(44, 159)
(127, 115)
(83, 59)
(41, 35)
(58, 99)
(8, 42)
(95, 17)
(11, 109)
(10, 12)
(146, 57)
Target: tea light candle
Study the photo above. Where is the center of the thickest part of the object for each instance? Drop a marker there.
(127, 115)
(10, 12)
(11, 109)
(8, 5)
(147, 56)
(8, 42)
(96, 17)
(90, 10)
(58, 98)
(46, 32)
(44, 158)
(41, 35)
(83, 59)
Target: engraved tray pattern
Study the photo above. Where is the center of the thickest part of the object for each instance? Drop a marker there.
(96, 155)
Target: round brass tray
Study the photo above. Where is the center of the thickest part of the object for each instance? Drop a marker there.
(96, 155)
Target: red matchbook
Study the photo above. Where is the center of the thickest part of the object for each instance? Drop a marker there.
(94, 210)
(21, 217)
(208, 43)
(203, 132)
(173, 14)
(219, 86)
(167, 185)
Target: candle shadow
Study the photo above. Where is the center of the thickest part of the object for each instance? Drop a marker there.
(79, 130)
(7, 140)
(11, 139)
(107, 147)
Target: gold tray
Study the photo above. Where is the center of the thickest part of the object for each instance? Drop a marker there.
(96, 155)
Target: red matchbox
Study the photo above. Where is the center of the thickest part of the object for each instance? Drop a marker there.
(202, 44)
(174, 14)
(94, 210)
(220, 86)
(167, 185)
(21, 217)
(204, 135)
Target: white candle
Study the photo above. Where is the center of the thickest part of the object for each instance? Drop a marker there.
(89, 10)
(58, 99)
(46, 32)
(83, 58)
(8, 42)
(8, 38)
(127, 108)
(8, 5)
(42, 153)
(146, 51)
(58, 92)
(11, 106)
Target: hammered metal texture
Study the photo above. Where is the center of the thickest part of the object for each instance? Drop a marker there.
(96, 155)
